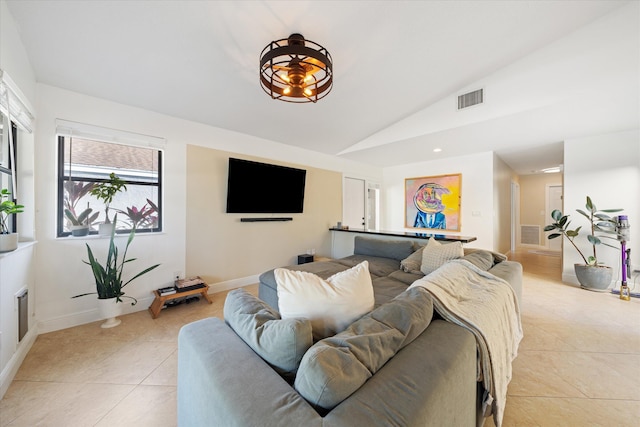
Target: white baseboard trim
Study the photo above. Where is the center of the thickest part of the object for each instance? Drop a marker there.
(87, 316)
(10, 371)
(233, 284)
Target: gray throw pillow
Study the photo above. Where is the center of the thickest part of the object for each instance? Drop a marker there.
(335, 367)
(497, 257)
(280, 342)
(412, 263)
(394, 249)
(481, 259)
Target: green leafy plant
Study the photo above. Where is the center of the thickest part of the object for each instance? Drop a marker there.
(145, 217)
(7, 207)
(73, 192)
(108, 277)
(84, 218)
(602, 225)
(105, 191)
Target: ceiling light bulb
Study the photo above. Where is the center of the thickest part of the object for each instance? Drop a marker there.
(284, 77)
(437, 150)
(287, 90)
(308, 92)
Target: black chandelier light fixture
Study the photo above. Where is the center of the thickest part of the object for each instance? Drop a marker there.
(296, 70)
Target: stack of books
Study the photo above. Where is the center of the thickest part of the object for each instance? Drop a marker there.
(183, 285)
(169, 290)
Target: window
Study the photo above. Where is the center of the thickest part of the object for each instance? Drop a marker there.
(7, 172)
(83, 163)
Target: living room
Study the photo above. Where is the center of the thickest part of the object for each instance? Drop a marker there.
(199, 238)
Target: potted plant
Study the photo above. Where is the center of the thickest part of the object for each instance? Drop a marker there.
(592, 275)
(80, 224)
(145, 217)
(8, 239)
(108, 279)
(105, 191)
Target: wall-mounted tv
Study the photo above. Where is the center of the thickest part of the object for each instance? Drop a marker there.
(254, 187)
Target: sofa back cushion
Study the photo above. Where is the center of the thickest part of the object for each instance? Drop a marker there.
(332, 304)
(395, 249)
(335, 367)
(280, 342)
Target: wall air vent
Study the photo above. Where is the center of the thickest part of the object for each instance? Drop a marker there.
(470, 99)
(530, 234)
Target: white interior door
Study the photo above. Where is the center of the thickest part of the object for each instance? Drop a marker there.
(554, 201)
(354, 203)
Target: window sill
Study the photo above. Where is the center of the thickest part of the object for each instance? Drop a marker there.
(21, 246)
(98, 237)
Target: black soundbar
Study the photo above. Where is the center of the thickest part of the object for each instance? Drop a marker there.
(283, 218)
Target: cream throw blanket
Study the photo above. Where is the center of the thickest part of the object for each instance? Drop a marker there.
(487, 306)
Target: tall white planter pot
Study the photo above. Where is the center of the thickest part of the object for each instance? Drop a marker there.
(8, 242)
(109, 309)
(105, 230)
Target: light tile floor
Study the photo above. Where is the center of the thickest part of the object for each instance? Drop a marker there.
(578, 364)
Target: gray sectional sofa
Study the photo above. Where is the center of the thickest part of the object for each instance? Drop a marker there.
(429, 380)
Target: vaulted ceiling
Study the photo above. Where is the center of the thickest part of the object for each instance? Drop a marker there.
(550, 70)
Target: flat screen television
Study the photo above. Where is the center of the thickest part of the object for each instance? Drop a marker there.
(254, 187)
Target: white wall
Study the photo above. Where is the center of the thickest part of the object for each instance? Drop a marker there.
(17, 268)
(60, 271)
(477, 204)
(13, 56)
(606, 168)
(503, 175)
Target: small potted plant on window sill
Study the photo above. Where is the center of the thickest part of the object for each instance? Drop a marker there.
(8, 239)
(79, 225)
(106, 191)
(591, 275)
(144, 217)
(108, 279)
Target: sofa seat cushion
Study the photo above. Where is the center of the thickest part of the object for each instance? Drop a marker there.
(378, 266)
(385, 289)
(406, 278)
(332, 304)
(280, 342)
(335, 367)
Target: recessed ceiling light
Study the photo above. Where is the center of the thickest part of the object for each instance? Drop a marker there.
(437, 150)
(555, 169)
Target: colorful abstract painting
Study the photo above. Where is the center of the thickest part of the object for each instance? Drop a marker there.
(433, 202)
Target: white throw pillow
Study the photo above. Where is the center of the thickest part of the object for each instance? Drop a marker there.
(435, 254)
(332, 304)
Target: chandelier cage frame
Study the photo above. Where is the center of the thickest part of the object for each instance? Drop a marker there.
(296, 70)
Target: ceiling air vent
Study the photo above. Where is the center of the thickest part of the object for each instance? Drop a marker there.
(469, 99)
